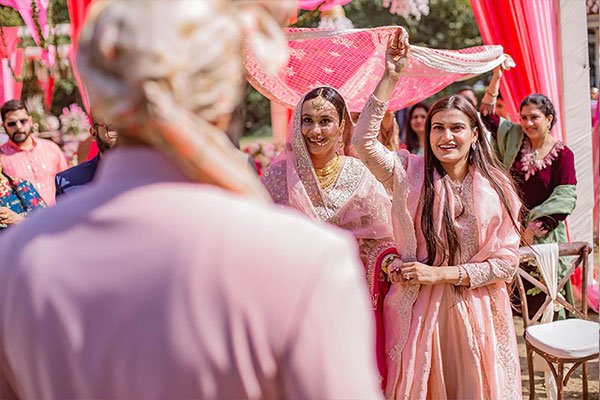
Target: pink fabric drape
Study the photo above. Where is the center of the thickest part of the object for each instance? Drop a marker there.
(280, 118)
(527, 31)
(326, 4)
(82, 91)
(77, 14)
(26, 11)
(595, 105)
(24, 8)
(9, 55)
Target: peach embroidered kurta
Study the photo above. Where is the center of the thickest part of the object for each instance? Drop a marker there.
(443, 342)
(144, 285)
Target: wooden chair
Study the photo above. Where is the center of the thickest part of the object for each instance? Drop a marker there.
(572, 340)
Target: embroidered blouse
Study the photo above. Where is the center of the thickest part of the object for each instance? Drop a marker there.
(28, 201)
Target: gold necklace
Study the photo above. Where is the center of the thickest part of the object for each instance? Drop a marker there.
(328, 174)
(329, 167)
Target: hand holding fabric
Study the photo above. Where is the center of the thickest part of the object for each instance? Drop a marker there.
(397, 53)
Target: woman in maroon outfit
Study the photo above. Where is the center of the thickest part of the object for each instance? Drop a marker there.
(542, 167)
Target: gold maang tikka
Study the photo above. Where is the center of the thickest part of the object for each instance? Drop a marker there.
(319, 101)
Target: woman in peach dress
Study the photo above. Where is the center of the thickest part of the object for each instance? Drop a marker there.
(447, 317)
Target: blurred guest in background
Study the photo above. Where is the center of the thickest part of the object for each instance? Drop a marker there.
(26, 157)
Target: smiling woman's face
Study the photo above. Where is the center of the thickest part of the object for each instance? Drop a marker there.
(320, 127)
(451, 137)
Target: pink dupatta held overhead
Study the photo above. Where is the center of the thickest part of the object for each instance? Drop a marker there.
(357, 202)
(351, 62)
(444, 342)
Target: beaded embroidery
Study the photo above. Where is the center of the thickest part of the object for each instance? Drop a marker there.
(530, 165)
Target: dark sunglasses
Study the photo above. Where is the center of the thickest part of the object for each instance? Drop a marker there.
(12, 124)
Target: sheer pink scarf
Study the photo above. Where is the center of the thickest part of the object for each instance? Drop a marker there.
(352, 62)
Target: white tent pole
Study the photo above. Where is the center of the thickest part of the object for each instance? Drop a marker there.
(577, 117)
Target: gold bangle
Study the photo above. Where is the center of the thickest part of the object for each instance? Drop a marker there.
(493, 95)
(387, 261)
(488, 104)
(461, 276)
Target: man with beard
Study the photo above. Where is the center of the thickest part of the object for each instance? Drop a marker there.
(74, 178)
(26, 157)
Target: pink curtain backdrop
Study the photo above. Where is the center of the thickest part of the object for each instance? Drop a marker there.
(10, 54)
(526, 29)
(77, 14)
(595, 104)
(326, 4)
(24, 8)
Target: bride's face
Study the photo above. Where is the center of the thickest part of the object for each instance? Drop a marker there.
(320, 127)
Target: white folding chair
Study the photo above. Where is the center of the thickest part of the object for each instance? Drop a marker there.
(573, 340)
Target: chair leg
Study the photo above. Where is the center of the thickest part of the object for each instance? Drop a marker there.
(559, 381)
(531, 371)
(584, 380)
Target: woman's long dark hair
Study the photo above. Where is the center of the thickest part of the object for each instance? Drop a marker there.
(410, 136)
(14, 188)
(486, 163)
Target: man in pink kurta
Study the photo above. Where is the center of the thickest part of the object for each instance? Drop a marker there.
(27, 157)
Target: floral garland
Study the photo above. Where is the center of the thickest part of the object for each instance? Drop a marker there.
(262, 153)
(530, 164)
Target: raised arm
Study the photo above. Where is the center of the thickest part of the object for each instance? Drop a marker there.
(374, 154)
(488, 102)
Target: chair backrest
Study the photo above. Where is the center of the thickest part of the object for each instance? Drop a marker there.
(579, 249)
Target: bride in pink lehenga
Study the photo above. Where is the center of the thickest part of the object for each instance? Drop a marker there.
(447, 317)
(318, 176)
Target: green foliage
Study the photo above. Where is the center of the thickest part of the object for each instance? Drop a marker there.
(257, 113)
(10, 17)
(60, 12)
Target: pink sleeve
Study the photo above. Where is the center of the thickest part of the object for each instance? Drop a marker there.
(331, 353)
(371, 151)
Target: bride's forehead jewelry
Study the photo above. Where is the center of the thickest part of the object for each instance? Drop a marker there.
(319, 101)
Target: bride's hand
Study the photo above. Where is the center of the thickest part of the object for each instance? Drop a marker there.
(397, 52)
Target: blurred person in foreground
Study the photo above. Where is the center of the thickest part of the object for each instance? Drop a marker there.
(83, 173)
(205, 292)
